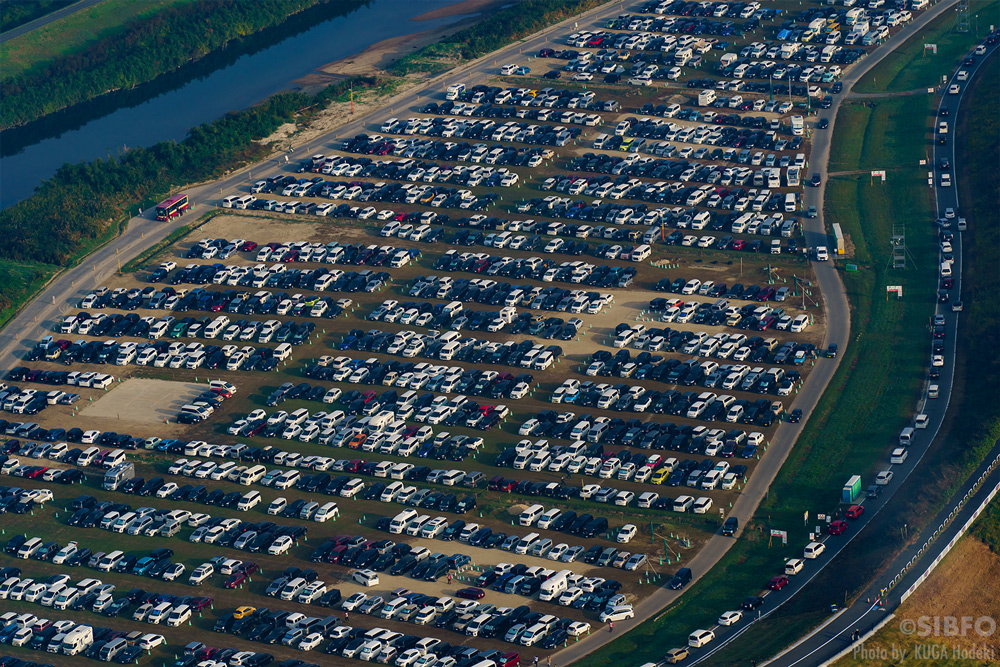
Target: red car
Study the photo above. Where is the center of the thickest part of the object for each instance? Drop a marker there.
(235, 580)
(200, 603)
(837, 527)
(511, 659)
(248, 246)
(777, 583)
(248, 567)
(471, 593)
(854, 511)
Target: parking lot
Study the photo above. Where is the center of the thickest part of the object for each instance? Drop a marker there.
(592, 297)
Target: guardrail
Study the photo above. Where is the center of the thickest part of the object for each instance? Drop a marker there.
(941, 528)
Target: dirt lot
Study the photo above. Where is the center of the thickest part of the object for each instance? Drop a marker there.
(143, 402)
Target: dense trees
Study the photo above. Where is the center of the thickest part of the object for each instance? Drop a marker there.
(145, 49)
(80, 201)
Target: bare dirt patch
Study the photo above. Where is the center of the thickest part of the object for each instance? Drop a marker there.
(140, 401)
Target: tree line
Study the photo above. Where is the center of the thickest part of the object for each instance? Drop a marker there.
(81, 200)
(144, 49)
(506, 26)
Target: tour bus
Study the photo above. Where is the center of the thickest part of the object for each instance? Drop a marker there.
(172, 207)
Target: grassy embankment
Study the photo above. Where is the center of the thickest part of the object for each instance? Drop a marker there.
(911, 67)
(74, 33)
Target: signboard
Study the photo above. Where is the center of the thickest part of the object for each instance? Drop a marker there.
(878, 173)
(931, 47)
(897, 289)
(782, 534)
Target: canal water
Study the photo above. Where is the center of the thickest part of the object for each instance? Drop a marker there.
(202, 92)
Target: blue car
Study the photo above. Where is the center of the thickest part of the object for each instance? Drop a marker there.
(458, 560)
(143, 565)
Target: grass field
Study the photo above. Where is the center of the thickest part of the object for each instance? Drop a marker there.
(911, 67)
(19, 281)
(73, 33)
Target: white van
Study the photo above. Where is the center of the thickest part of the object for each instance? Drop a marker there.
(641, 253)
(327, 511)
(283, 351)
(179, 616)
(252, 475)
(526, 542)
(906, 436)
(402, 520)
(530, 516)
(813, 550)
(108, 562)
(683, 503)
(250, 500)
(793, 566)
(534, 634)
(29, 548)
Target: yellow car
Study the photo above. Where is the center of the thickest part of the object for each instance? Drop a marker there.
(243, 612)
(675, 655)
(660, 476)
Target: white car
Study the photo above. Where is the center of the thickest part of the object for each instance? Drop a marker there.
(353, 602)
(366, 577)
(280, 546)
(883, 478)
(150, 641)
(626, 533)
(619, 613)
(570, 596)
(700, 638)
(731, 618)
(578, 628)
(310, 642)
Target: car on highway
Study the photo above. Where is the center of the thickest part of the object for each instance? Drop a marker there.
(778, 582)
(837, 527)
(730, 618)
(854, 511)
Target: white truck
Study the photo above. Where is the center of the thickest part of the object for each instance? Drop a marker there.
(78, 640)
(554, 586)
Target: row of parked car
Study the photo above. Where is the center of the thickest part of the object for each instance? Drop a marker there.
(70, 638)
(527, 354)
(307, 633)
(29, 401)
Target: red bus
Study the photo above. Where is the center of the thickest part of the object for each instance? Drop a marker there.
(172, 207)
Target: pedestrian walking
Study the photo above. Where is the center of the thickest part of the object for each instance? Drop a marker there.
(536, 661)
(345, 617)
(548, 662)
(449, 578)
(611, 626)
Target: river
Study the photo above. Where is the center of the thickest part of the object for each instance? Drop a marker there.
(168, 107)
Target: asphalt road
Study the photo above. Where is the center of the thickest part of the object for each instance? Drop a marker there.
(45, 20)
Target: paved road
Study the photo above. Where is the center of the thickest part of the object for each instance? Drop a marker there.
(45, 20)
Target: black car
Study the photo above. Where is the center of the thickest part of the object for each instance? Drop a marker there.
(795, 416)
(751, 603)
